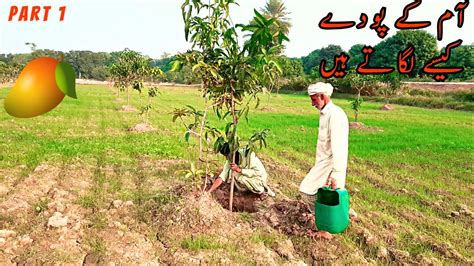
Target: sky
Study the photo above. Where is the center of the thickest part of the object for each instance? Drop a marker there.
(154, 27)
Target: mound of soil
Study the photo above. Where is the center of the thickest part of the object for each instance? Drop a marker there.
(293, 217)
(201, 216)
(267, 109)
(128, 109)
(142, 127)
(196, 212)
(361, 126)
(358, 125)
(386, 107)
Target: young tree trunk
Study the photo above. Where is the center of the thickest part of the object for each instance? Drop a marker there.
(358, 106)
(128, 96)
(232, 183)
(147, 109)
(201, 130)
(203, 123)
(207, 167)
(268, 100)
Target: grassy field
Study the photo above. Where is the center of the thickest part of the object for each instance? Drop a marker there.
(406, 175)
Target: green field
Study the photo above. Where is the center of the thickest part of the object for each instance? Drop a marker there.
(405, 176)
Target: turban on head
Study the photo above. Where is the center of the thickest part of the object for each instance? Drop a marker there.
(320, 87)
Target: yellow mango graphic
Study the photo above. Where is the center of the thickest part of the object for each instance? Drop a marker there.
(40, 87)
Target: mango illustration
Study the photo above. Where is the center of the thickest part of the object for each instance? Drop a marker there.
(41, 86)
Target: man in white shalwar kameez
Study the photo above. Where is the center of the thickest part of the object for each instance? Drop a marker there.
(332, 147)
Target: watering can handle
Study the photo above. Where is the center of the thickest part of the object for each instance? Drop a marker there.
(329, 187)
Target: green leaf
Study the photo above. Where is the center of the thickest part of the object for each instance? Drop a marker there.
(246, 114)
(259, 16)
(214, 73)
(227, 128)
(277, 65)
(195, 67)
(177, 66)
(270, 22)
(250, 27)
(191, 107)
(226, 114)
(66, 79)
(282, 37)
(186, 136)
(275, 49)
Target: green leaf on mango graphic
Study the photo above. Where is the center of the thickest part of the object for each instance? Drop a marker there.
(41, 87)
(66, 79)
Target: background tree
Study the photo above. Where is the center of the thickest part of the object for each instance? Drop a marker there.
(361, 84)
(164, 63)
(276, 9)
(462, 56)
(356, 56)
(312, 61)
(90, 65)
(131, 70)
(291, 67)
(152, 92)
(356, 105)
(391, 85)
(386, 52)
(293, 77)
(9, 72)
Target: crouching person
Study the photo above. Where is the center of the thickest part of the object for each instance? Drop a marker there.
(250, 175)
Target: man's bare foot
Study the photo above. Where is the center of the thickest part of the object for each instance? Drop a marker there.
(324, 235)
(320, 234)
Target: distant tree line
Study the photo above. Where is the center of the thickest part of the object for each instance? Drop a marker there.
(298, 72)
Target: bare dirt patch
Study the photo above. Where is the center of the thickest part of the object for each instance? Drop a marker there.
(387, 107)
(362, 126)
(290, 217)
(267, 109)
(45, 217)
(50, 223)
(141, 128)
(127, 109)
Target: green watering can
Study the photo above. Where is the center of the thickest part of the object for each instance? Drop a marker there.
(332, 210)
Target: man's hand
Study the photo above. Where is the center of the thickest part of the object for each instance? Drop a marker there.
(235, 168)
(331, 182)
(217, 183)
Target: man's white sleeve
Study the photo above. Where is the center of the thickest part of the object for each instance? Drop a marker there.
(339, 146)
(225, 172)
(255, 167)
